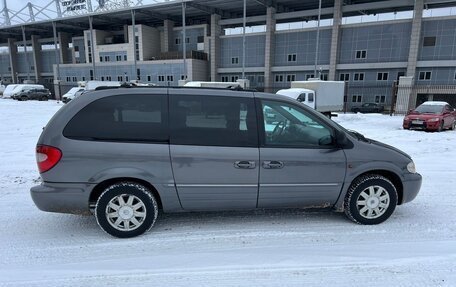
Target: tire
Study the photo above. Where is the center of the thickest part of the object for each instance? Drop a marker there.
(44, 98)
(356, 111)
(453, 126)
(376, 190)
(440, 127)
(125, 196)
(24, 98)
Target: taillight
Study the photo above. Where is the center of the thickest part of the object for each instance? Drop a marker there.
(47, 157)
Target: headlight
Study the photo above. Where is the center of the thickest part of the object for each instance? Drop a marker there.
(434, 120)
(411, 167)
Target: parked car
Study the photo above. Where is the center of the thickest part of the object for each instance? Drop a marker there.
(17, 89)
(368, 108)
(71, 94)
(33, 94)
(431, 116)
(127, 154)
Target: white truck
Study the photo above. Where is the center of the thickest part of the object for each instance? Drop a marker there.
(323, 96)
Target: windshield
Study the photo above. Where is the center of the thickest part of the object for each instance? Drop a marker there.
(429, 109)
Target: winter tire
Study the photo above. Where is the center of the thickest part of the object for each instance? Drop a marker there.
(440, 127)
(371, 199)
(126, 209)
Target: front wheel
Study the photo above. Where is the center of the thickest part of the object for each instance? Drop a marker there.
(371, 199)
(126, 209)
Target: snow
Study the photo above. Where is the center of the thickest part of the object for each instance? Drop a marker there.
(415, 247)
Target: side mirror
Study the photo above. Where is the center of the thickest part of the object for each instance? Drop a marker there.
(341, 138)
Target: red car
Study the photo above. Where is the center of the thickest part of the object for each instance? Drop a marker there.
(431, 116)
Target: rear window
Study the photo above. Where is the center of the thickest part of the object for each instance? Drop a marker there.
(126, 118)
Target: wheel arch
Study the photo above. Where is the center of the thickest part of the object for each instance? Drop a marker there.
(392, 176)
(100, 187)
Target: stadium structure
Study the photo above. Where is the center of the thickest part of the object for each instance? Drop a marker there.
(397, 53)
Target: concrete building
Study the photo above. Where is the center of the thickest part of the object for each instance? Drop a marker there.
(147, 43)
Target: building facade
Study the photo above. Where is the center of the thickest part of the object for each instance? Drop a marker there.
(370, 57)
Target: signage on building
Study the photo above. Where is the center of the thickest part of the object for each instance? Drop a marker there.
(73, 5)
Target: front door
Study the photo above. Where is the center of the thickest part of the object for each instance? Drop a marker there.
(300, 164)
(214, 150)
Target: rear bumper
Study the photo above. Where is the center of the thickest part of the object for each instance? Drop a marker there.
(62, 197)
(411, 185)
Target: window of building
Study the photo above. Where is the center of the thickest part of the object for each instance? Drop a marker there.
(68, 79)
(120, 78)
(170, 78)
(161, 78)
(76, 48)
(126, 79)
(425, 75)
(260, 79)
(108, 78)
(83, 78)
(187, 40)
(291, 78)
(324, 76)
(382, 76)
(360, 54)
(279, 78)
(213, 121)
(129, 118)
(200, 39)
(308, 76)
(429, 41)
(344, 77)
(380, 99)
(178, 41)
(235, 60)
(125, 57)
(149, 78)
(102, 78)
(107, 59)
(358, 77)
(225, 78)
(357, 99)
(118, 58)
(234, 78)
(101, 59)
(75, 79)
(291, 57)
(183, 77)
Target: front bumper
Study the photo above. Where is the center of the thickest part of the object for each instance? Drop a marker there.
(62, 197)
(411, 186)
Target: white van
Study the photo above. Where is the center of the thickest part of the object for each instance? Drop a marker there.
(92, 85)
(7, 93)
(19, 89)
(71, 94)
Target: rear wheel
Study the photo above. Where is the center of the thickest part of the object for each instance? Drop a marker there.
(453, 126)
(44, 98)
(24, 98)
(371, 199)
(126, 209)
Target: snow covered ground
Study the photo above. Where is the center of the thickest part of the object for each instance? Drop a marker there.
(415, 247)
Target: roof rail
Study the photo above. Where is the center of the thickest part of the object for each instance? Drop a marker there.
(129, 85)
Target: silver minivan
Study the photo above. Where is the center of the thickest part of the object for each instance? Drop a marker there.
(126, 154)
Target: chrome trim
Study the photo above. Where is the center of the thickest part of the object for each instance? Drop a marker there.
(217, 185)
(296, 184)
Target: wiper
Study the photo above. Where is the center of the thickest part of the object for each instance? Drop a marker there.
(359, 136)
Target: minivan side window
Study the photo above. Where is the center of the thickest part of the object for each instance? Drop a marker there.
(213, 121)
(126, 118)
(287, 125)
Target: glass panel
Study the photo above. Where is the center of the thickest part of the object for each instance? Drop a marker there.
(287, 125)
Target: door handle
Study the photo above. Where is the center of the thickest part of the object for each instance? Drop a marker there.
(244, 164)
(272, 164)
